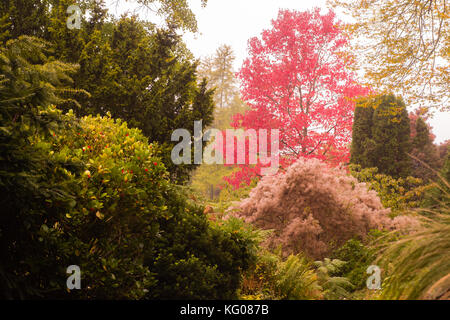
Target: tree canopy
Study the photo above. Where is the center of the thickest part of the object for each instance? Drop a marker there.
(404, 46)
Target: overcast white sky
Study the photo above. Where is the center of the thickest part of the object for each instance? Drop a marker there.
(234, 22)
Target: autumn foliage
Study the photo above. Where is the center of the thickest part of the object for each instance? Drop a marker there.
(313, 208)
(297, 79)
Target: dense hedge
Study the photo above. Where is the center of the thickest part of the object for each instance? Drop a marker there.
(92, 192)
(123, 212)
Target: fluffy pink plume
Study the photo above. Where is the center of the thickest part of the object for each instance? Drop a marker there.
(313, 208)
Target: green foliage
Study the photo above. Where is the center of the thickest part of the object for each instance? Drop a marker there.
(194, 260)
(362, 147)
(276, 278)
(26, 17)
(29, 179)
(398, 194)
(92, 192)
(426, 153)
(358, 258)
(381, 136)
(4, 25)
(147, 79)
(416, 266)
(218, 69)
(33, 17)
(334, 287)
(296, 280)
(139, 74)
(437, 194)
(102, 222)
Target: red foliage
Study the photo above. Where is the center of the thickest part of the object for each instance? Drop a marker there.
(297, 79)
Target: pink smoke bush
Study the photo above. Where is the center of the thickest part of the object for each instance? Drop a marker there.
(313, 208)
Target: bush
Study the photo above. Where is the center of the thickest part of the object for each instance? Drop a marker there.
(196, 260)
(397, 194)
(273, 277)
(333, 286)
(92, 192)
(358, 258)
(314, 208)
(417, 266)
(132, 233)
(108, 216)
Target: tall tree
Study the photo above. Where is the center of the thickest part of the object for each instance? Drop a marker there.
(391, 135)
(298, 80)
(142, 75)
(218, 69)
(407, 52)
(362, 147)
(146, 78)
(425, 153)
(26, 17)
(385, 141)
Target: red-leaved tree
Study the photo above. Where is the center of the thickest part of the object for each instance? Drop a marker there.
(298, 79)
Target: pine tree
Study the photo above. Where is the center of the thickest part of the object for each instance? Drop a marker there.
(391, 135)
(30, 85)
(381, 136)
(218, 69)
(362, 143)
(26, 17)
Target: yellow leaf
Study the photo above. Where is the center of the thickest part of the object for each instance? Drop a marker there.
(99, 215)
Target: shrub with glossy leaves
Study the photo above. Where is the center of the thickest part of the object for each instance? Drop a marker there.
(92, 192)
(130, 230)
